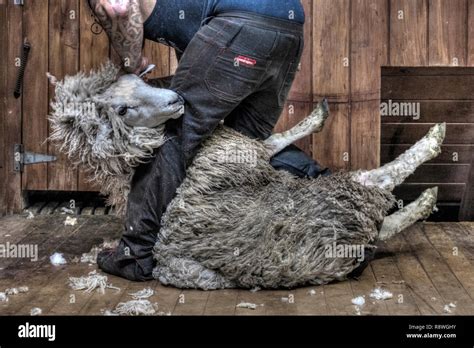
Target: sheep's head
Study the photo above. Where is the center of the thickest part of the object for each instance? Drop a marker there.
(110, 124)
(138, 104)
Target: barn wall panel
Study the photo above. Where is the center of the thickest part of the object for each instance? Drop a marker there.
(63, 60)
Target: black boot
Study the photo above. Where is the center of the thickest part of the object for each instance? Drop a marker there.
(298, 163)
(116, 262)
(153, 187)
(133, 257)
(369, 255)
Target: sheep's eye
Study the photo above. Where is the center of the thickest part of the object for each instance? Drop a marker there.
(122, 111)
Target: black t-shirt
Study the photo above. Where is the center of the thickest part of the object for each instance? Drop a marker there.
(175, 22)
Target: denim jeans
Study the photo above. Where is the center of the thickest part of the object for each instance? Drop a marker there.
(238, 69)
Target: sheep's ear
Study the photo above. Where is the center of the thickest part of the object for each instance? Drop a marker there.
(52, 79)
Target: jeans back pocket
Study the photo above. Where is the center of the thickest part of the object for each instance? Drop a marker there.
(255, 41)
(233, 76)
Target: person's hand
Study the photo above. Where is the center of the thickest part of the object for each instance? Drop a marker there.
(143, 66)
(115, 8)
(123, 22)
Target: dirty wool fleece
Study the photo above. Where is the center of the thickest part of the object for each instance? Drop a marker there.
(236, 221)
(248, 225)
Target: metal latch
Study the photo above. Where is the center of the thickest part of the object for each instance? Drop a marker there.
(22, 158)
(18, 2)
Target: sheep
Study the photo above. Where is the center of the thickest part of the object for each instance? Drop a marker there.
(236, 222)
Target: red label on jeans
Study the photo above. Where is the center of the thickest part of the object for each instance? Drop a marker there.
(245, 60)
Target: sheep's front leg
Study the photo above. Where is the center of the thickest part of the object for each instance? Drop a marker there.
(311, 124)
(395, 172)
(420, 209)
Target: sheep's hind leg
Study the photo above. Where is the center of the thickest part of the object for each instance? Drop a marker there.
(311, 124)
(420, 209)
(395, 172)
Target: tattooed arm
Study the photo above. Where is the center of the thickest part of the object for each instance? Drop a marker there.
(123, 22)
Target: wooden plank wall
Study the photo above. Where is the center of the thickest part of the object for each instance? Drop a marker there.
(63, 60)
(62, 43)
(350, 40)
(10, 198)
(35, 92)
(330, 39)
(466, 210)
(3, 96)
(347, 42)
(443, 95)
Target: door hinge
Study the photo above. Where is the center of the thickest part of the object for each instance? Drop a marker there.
(18, 2)
(22, 158)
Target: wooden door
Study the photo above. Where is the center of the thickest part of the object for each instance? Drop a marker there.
(64, 39)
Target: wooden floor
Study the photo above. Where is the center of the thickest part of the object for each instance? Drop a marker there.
(426, 268)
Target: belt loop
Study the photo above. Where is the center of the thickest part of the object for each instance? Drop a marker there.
(207, 20)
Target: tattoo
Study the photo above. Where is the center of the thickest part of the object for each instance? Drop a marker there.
(123, 22)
